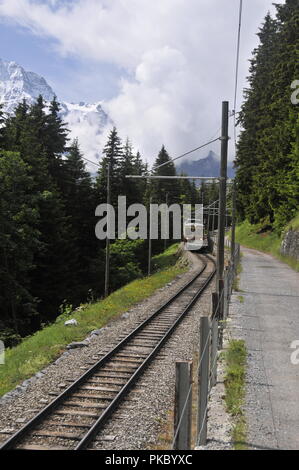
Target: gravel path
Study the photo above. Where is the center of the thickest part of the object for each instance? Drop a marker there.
(138, 422)
(265, 315)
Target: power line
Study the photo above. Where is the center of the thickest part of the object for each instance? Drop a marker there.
(237, 67)
(173, 159)
(90, 161)
(187, 153)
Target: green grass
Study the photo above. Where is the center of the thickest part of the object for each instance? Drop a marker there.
(269, 242)
(294, 224)
(236, 282)
(235, 359)
(40, 349)
(166, 259)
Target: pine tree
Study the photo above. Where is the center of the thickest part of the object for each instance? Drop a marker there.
(126, 167)
(188, 192)
(162, 187)
(112, 153)
(79, 204)
(28, 132)
(19, 241)
(255, 118)
(265, 158)
(140, 168)
(55, 141)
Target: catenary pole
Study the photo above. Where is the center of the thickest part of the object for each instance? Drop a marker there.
(222, 191)
(165, 240)
(149, 266)
(107, 264)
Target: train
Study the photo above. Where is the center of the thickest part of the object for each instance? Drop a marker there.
(196, 235)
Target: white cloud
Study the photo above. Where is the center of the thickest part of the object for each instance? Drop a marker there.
(179, 53)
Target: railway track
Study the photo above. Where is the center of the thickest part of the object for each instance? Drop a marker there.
(73, 419)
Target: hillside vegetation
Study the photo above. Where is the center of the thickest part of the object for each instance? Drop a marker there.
(253, 236)
(49, 253)
(43, 347)
(268, 149)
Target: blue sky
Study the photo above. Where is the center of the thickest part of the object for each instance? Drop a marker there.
(162, 68)
(63, 73)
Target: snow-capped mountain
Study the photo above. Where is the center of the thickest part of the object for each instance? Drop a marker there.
(16, 84)
(88, 122)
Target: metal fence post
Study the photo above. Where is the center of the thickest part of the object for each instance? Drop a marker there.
(220, 311)
(227, 272)
(183, 406)
(214, 346)
(203, 379)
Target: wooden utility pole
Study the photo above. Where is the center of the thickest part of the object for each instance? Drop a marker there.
(222, 191)
(107, 265)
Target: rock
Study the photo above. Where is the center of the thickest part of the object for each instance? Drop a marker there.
(26, 383)
(108, 438)
(92, 338)
(61, 385)
(39, 375)
(78, 344)
(20, 420)
(290, 244)
(65, 354)
(97, 332)
(44, 401)
(125, 316)
(71, 322)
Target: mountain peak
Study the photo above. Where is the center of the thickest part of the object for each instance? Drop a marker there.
(87, 122)
(213, 156)
(16, 84)
(208, 166)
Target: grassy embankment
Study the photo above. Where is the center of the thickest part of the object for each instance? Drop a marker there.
(40, 349)
(235, 360)
(269, 242)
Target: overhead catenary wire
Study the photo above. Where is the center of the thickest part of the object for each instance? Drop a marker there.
(173, 159)
(237, 68)
(90, 161)
(187, 153)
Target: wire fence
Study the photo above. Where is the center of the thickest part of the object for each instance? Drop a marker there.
(205, 374)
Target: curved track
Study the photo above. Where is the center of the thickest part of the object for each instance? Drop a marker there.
(73, 419)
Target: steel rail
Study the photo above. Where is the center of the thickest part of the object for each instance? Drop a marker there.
(109, 410)
(28, 427)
